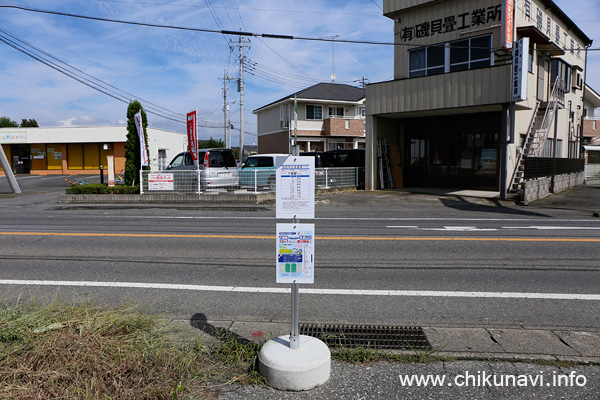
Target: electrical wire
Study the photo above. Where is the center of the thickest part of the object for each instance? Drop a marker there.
(228, 32)
(92, 82)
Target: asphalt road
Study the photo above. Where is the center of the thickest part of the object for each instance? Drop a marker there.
(380, 258)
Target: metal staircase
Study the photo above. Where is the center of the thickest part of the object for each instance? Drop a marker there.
(538, 132)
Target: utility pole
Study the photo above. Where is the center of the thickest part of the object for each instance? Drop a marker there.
(241, 44)
(363, 82)
(226, 123)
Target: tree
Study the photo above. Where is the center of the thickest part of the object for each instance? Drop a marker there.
(6, 122)
(211, 144)
(29, 123)
(133, 162)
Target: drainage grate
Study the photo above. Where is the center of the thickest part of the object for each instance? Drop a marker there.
(369, 336)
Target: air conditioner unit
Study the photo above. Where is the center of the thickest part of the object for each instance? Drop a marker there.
(284, 123)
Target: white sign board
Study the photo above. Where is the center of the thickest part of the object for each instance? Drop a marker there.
(520, 69)
(296, 187)
(295, 253)
(13, 137)
(160, 182)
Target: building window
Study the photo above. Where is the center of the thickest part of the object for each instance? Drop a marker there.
(339, 145)
(560, 68)
(314, 112)
(336, 112)
(427, 61)
(471, 53)
(460, 55)
(363, 112)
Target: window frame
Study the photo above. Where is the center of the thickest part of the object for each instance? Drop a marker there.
(314, 108)
(467, 61)
(335, 112)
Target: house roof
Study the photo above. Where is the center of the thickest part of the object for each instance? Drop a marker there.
(592, 96)
(324, 91)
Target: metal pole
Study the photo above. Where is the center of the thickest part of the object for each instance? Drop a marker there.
(225, 106)
(12, 181)
(255, 181)
(295, 335)
(241, 101)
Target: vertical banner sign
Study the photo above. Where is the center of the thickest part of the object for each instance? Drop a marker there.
(295, 253)
(520, 68)
(508, 18)
(140, 130)
(295, 195)
(192, 136)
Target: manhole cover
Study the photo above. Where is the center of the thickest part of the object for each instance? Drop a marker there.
(368, 336)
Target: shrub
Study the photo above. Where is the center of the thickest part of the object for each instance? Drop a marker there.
(99, 188)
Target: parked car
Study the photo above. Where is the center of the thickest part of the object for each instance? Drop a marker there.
(260, 171)
(322, 160)
(218, 168)
(354, 158)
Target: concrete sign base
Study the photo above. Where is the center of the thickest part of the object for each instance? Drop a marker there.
(303, 368)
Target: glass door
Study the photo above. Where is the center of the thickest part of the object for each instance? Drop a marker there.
(485, 161)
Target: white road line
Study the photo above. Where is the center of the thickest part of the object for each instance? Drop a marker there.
(525, 220)
(277, 290)
(445, 228)
(556, 228)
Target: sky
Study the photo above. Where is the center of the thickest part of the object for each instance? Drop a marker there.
(175, 71)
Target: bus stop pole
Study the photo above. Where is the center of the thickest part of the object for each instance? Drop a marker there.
(295, 335)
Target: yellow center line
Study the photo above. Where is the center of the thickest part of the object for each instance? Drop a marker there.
(272, 237)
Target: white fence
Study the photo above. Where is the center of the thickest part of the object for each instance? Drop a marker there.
(592, 171)
(250, 180)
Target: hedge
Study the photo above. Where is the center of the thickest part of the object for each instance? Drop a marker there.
(99, 188)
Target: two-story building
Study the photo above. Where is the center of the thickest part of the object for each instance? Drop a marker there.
(461, 111)
(329, 116)
(591, 126)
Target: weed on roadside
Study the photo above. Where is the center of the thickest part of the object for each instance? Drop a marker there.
(86, 352)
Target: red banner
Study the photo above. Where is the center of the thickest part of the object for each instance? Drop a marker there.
(508, 18)
(192, 136)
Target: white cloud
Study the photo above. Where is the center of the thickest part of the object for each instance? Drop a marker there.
(180, 70)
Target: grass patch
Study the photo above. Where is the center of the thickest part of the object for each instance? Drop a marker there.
(362, 355)
(86, 352)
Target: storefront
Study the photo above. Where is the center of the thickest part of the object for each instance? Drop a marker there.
(455, 151)
(478, 88)
(81, 150)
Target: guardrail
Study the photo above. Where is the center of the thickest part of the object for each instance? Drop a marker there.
(250, 180)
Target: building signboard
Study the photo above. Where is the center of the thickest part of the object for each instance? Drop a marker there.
(520, 68)
(475, 18)
(13, 137)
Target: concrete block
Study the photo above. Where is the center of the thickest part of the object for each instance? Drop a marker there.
(299, 369)
(585, 343)
(529, 341)
(467, 340)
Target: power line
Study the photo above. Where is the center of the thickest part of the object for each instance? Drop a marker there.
(226, 32)
(88, 80)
